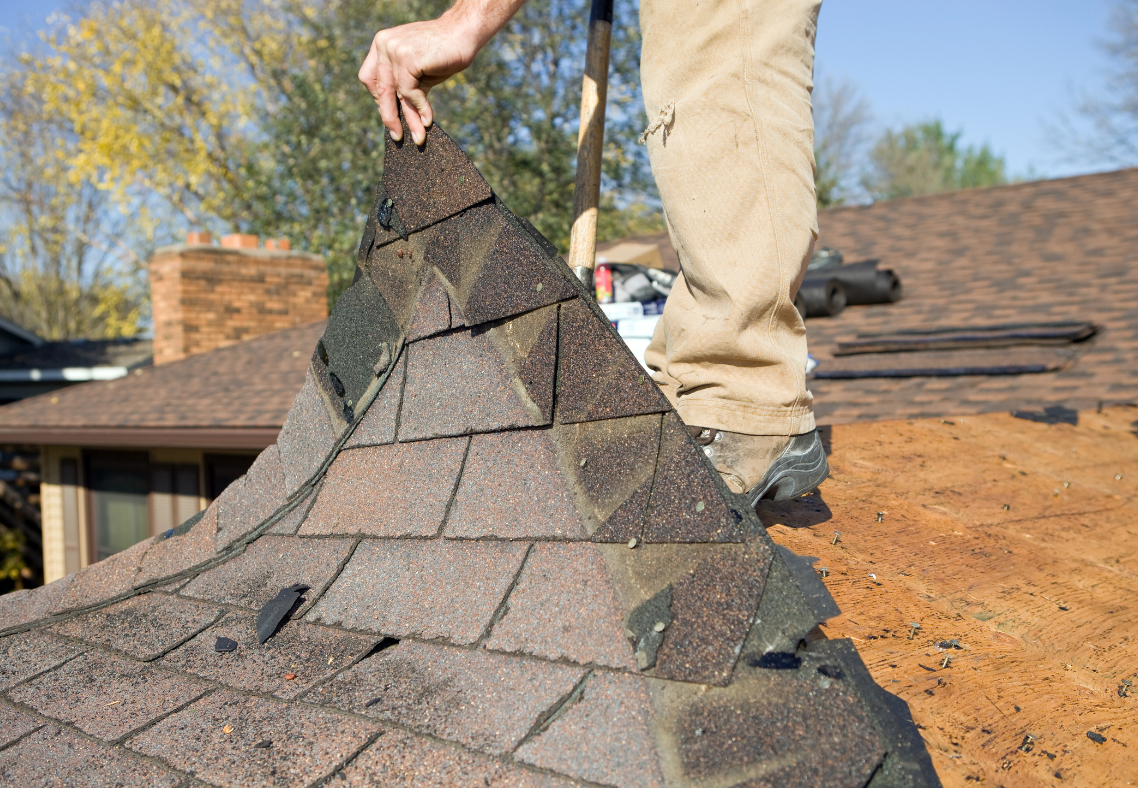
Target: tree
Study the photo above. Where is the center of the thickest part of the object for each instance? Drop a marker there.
(1112, 137)
(248, 116)
(925, 159)
(841, 134)
(64, 271)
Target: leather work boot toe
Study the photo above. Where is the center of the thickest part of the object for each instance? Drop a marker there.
(770, 467)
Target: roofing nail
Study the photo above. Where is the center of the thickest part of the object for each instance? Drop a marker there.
(835, 539)
(1118, 477)
(880, 516)
(913, 627)
(1006, 507)
(945, 663)
(632, 543)
(824, 571)
(1124, 688)
(1066, 485)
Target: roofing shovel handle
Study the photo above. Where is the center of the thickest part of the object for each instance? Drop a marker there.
(590, 142)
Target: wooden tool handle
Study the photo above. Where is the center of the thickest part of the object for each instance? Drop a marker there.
(590, 143)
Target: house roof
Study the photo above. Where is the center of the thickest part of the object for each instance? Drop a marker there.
(1040, 252)
(482, 551)
(76, 360)
(1046, 251)
(233, 397)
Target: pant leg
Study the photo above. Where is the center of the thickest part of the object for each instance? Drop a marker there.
(734, 161)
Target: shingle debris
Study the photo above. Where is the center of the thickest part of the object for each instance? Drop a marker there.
(275, 610)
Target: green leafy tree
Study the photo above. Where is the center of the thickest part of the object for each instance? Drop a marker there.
(247, 115)
(65, 272)
(925, 159)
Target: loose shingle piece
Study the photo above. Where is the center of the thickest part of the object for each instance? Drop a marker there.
(483, 551)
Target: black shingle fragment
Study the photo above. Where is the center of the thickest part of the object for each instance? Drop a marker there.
(276, 609)
(1097, 738)
(225, 645)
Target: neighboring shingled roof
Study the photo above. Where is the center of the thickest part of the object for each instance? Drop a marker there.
(83, 353)
(1058, 250)
(516, 568)
(244, 387)
(1043, 251)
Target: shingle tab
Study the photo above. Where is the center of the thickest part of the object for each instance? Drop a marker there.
(431, 182)
(290, 522)
(430, 589)
(484, 701)
(307, 436)
(614, 462)
(712, 610)
(786, 728)
(23, 656)
(432, 311)
(689, 502)
(597, 375)
(268, 565)
(105, 580)
(395, 490)
(14, 724)
(144, 626)
(400, 760)
(251, 500)
(53, 756)
(480, 380)
(308, 652)
(496, 268)
(176, 554)
(604, 737)
(378, 424)
(215, 739)
(21, 607)
(565, 607)
(107, 696)
(512, 487)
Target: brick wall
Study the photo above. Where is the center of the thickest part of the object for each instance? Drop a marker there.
(205, 297)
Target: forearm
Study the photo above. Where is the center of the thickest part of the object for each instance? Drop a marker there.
(479, 20)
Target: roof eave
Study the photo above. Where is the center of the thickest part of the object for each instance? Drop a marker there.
(249, 438)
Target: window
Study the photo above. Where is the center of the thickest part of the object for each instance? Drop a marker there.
(119, 490)
(174, 492)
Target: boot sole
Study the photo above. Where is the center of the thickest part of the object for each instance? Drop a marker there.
(792, 475)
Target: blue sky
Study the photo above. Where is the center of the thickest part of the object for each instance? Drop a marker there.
(997, 69)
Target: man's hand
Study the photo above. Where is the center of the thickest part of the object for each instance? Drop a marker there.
(405, 62)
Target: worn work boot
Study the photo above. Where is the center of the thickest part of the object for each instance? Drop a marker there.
(771, 467)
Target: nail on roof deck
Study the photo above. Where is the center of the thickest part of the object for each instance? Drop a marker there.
(458, 483)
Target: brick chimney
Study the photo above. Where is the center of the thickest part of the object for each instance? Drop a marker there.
(205, 297)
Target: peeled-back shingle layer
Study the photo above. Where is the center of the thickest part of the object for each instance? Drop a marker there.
(520, 570)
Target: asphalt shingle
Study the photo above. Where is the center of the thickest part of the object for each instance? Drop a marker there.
(484, 701)
(429, 589)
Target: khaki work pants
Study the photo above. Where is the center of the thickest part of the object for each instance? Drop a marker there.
(727, 87)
